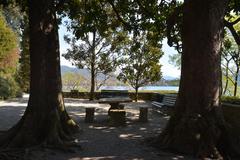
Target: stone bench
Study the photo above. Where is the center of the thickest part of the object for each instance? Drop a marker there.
(117, 117)
(89, 117)
(143, 114)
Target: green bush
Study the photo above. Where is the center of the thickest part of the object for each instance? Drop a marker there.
(8, 88)
(229, 99)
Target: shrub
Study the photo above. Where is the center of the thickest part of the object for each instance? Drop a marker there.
(8, 88)
(229, 99)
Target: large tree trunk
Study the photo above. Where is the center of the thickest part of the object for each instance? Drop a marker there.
(197, 124)
(45, 120)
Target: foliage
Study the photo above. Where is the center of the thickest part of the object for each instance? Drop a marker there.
(74, 81)
(8, 88)
(175, 60)
(85, 52)
(174, 82)
(18, 21)
(94, 55)
(8, 60)
(230, 99)
(14, 17)
(175, 23)
(8, 50)
(230, 54)
(7, 38)
(140, 62)
(24, 66)
(93, 28)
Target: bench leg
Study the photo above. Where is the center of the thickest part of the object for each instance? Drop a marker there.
(89, 118)
(143, 115)
(117, 117)
(116, 106)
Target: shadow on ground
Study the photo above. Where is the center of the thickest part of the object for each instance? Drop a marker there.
(99, 140)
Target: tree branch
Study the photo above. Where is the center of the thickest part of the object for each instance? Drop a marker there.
(223, 65)
(60, 4)
(171, 21)
(236, 21)
(235, 35)
(118, 15)
(143, 8)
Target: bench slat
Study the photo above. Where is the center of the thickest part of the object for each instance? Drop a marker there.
(168, 100)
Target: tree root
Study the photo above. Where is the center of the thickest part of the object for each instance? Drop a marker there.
(23, 153)
(13, 154)
(67, 147)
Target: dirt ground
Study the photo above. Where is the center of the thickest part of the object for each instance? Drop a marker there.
(99, 140)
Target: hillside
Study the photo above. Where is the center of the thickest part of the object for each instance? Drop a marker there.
(165, 81)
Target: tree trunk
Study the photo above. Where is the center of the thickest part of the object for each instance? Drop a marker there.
(45, 120)
(227, 77)
(93, 58)
(136, 94)
(197, 123)
(236, 82)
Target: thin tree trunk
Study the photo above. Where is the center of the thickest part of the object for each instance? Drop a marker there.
(136, 94)
(45, 120)
(198, 124)
(226, 84)
(236, 82)
(93, 75)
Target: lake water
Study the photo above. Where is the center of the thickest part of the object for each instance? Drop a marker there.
(152, 88)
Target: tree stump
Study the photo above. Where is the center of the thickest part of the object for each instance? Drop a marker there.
(89, 118)
(117, 117)
(143, 115)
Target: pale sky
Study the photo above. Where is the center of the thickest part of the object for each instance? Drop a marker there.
(167, 69)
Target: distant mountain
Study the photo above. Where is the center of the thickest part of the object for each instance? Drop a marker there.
(84, 72)
(170, 78)
(165, 81)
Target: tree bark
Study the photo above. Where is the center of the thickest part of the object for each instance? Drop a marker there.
(45, 120)
(197, 124)
(136, 94)
(236, 81)
(227, 77)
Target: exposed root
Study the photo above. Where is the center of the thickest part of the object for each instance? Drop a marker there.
(23, 153)
(13, 154)
(196, 135)
(68, 147)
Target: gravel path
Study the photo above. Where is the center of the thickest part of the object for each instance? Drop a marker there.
(99, 140)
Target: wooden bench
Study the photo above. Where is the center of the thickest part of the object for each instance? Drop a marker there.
(168, 100)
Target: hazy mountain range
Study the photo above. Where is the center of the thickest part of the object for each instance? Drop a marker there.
(86, 72)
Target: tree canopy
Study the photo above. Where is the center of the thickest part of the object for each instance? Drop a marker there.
(8, 59)
(8, 38)
(197, 126)
(139, 62)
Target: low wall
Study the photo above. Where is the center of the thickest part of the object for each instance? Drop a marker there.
(146, 96)
(232, 113)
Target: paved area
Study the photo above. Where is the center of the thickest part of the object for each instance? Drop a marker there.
(99, 140)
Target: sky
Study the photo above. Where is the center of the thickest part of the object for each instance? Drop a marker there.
(167, 69)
